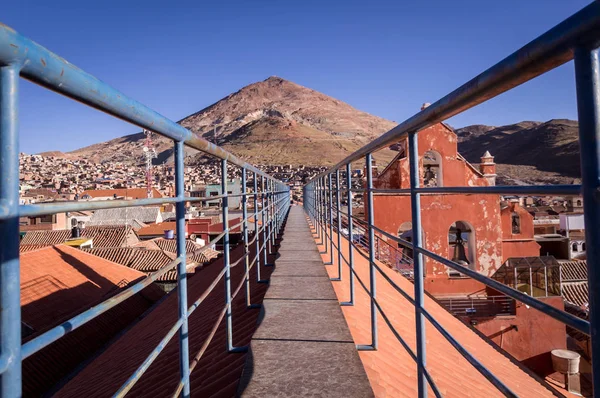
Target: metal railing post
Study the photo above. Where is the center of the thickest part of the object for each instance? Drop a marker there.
(339, 226)
(328, 199)
(264, 221)
(227, 261)
(273, 215)
(10, 305)
(415, 204)
(246, 245)
(371, 231)
(350, 227)
(587, 76)
(269, 218)
(184, 351)
(257, 232)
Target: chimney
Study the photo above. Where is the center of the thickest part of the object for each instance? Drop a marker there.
(75, 232)
(487, 167)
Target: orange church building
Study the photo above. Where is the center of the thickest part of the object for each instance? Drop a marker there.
(492, 231)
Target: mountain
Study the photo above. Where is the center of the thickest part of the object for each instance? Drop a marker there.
(529, 152)
(270, 122)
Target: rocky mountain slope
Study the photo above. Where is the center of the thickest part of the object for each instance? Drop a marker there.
(531, 152)
(276, 121)
(270, 122)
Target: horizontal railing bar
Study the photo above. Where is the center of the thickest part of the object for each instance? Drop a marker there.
(467, 355)
(496, 189)
(564, 317)
(128, 385)
(47, 69)
(548, 51)
(403, 242)
(205, 294)
(57, 332)
(203, 349)
(35, 210)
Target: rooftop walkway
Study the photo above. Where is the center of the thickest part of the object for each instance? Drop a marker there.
(303, 346)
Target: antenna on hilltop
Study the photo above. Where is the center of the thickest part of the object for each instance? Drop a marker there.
(149, 154)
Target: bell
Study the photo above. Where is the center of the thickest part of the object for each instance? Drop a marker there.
(429, 175)
(459, 256)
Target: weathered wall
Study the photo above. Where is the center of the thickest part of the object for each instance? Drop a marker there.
(439, 212)
(529, 336)
(521, 244)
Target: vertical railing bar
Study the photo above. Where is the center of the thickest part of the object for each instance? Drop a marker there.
(330, 178)
(329, 219)
(227, 261)
(257, 231)
(184, 354)
(371, 232)
(415, 199)
(339, 226)
(246, 245)
(269, 218)
(587, 78)
(350, 228)
(264, 221)
(10, 305)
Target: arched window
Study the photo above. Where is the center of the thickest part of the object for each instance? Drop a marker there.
(516, 223)
(583, 246)
(578, 202)
(73, 222)
(461, 245)
(574, 247)
(432, 169)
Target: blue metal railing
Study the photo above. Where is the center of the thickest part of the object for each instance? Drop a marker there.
(577, 38)
(21, 57)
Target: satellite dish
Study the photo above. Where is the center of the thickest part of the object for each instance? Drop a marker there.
(145, 149)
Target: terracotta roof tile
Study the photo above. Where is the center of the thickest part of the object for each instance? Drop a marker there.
(217, 373)
(60, 282)
(103, 236)
(576, 292)
(157, 229)
(574, 271)
(391, 370)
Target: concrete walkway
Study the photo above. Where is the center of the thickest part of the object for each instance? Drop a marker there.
(303, 346)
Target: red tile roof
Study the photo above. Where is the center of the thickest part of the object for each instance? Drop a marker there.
(392, 372)
(103, 236)
(60, 282)
(143, 260)
(576, 293)
(157, 229)
(134, 193)
(574, 271)
(217, 373)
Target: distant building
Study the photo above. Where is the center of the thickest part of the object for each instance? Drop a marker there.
(125, 193)
(234, 187)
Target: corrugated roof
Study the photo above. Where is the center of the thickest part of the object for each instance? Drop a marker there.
(60, 282)
(574, 271)
(125, 215)
(391, 370)
(217, 373)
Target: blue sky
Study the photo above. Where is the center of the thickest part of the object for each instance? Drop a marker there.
(383, 57)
